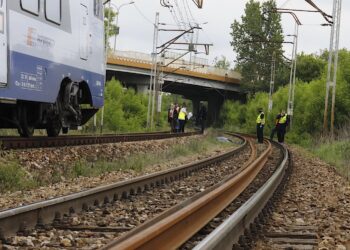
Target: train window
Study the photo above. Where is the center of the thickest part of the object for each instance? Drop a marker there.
(98, 9)
(31, 6)
(53, 11)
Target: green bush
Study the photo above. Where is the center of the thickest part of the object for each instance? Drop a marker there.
(126, 111)
(336, 153)
(307, 120)
(13, 177)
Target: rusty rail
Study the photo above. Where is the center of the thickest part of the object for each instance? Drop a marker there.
(174, 227)
(230, 231)
(45, 212)
(62, 141)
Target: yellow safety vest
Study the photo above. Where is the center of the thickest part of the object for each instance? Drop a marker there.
(283, 119)
(259, 120)
(182, 115)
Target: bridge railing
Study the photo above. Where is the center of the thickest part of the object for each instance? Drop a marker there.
(197, 65)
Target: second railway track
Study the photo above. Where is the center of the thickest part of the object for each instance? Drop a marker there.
(7, 143)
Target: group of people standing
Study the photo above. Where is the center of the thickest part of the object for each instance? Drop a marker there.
(178, 117)
(281, 123)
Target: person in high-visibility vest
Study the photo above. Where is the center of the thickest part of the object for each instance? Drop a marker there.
(182, 118)
(260, 123)
(282, 124)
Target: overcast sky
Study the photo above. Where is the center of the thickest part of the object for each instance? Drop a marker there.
(136, 29)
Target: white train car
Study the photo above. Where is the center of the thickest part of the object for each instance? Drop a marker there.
(52, 64)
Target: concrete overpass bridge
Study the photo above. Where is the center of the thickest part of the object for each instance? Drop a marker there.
(195, 81)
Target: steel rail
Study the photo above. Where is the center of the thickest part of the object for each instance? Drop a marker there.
(174, 227)
(45, 212)
(62, 141)
(229, 232)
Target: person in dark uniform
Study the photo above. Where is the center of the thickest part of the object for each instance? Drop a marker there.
(202, 117)
(260, 123)
(282, 124)
(175, 118)
(274, 129)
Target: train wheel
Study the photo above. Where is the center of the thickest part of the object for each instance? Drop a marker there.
(26, 127)
(53, 129)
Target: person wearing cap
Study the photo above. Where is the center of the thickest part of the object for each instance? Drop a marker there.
(260, 123)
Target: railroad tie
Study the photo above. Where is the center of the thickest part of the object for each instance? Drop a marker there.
(295, 237)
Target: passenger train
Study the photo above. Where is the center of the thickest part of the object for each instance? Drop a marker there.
(52, 64)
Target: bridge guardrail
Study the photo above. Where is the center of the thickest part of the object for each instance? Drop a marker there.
(143, 58)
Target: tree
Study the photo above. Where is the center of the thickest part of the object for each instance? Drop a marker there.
(309, 67)
(110, 17)
(255, 40)
(222, 63)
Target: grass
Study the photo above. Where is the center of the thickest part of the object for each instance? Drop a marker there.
(336, 153)
(138, 162)
(13, 177)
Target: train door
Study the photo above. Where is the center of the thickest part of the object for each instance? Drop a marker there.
(3, 43)
(84, 29)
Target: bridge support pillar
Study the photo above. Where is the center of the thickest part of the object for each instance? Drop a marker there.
(142, 89)
(215, 103)
(195, 105)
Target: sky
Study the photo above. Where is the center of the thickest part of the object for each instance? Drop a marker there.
(136, 24)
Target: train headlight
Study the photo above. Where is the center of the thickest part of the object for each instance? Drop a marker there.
(2, 22)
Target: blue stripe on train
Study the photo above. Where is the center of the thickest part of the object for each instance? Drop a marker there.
(36, 79)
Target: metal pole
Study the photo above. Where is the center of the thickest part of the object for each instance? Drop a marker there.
(290, 105)
(116, 25)
(272, 81)
(328, 83)
(294, 73)
(337, 23)
(153, 71)
(106, 58)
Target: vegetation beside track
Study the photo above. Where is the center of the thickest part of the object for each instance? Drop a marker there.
(126, 110)
(139, 162)
(336, 153)
(14, 176)
(307, 122)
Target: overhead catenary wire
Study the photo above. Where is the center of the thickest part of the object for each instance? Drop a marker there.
(190, 12)
(284, 4)
(144, 16)
(186, 13)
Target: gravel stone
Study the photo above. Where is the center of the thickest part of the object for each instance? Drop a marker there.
(316, 195)
(55, 159)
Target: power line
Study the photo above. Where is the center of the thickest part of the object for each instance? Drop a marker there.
(284, 4)
(189, 9)
(140, 12)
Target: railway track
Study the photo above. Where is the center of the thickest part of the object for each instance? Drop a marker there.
(7, 143)
(28, 217)
(175, 220)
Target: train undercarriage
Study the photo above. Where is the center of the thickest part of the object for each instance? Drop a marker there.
(68, 112)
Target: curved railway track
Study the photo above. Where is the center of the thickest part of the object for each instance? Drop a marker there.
(7, 143)
(27, 217)
(173, 227)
